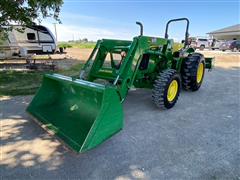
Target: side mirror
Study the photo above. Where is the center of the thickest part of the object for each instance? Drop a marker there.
(183, 41)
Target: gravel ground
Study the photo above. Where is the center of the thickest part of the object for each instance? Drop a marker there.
(198, 139)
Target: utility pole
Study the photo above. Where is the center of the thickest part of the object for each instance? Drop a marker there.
(55, 27)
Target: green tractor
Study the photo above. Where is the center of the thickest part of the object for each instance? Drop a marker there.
(87, 110)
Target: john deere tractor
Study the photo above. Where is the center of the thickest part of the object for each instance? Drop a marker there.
(85, 111)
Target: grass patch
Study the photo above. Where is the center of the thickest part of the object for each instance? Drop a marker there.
(82, 45)
(72, 71)
(13, 83)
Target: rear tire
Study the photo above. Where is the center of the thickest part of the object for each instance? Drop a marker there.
(166, 89)
(193, 72)
(202, 47)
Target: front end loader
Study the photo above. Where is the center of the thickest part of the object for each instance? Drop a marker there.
(87, 110)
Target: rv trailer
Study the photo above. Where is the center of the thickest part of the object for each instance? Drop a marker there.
(36, 39)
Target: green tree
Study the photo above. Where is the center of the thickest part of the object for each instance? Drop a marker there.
(25, 12)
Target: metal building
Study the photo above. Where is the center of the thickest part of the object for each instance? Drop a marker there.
(228, 33)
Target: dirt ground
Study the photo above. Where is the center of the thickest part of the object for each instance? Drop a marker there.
(197, 139)
(222, 59)
(62, 61)
(75, 55)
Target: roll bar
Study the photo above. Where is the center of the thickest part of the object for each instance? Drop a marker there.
(141, 27)
(186, 33)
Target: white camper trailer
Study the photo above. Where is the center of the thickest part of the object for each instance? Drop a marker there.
(34, 40)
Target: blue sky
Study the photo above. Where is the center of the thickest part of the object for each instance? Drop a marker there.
(97, 19)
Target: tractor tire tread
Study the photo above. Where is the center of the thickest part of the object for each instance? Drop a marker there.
(189, 71)
(160, 86)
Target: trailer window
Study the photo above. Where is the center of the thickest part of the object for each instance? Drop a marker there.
(31, 36)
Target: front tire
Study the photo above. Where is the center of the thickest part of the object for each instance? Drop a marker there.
(193, 72)
(166, 89)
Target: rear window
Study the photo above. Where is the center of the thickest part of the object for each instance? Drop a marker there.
(202, 39)
(31, 36)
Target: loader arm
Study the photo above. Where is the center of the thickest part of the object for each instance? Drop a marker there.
(123, 78)
(88, 64)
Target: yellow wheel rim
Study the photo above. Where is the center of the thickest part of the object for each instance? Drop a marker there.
(172, 90)
(200, 72)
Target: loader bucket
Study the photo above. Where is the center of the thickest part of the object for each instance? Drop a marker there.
(81, 113)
